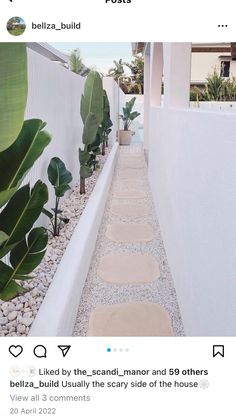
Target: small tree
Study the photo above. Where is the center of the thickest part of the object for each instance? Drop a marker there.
(215, 86)
(136, 66)
(118, 70)
(76, 65)
(137, 73)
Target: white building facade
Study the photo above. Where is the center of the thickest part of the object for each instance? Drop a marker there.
(191, 161)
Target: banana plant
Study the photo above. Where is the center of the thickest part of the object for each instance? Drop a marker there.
(21, 144)
(128, 116)
(13, 91)
(95, 150)
(109, 130)
(24, 258)
(106, 123)
(91, 110)
(20, 214)
(18, 159)
(60, 178)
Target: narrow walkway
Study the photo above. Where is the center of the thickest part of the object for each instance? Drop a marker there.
(129, 290)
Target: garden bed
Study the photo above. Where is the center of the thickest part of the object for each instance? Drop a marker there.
(17, 316)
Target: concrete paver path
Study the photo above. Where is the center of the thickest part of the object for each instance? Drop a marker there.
(129, 289)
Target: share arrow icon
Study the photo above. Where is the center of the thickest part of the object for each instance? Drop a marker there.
(64, 349)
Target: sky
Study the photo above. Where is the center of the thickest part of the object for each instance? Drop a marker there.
(99, 56)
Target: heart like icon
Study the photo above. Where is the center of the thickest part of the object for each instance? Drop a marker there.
(15, 350)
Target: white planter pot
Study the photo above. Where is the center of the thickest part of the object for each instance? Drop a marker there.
(125, 137)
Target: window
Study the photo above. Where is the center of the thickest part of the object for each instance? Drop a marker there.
(225, 68)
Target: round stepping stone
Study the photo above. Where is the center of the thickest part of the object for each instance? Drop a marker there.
(132, 184)
(131, 169)
(131, 174)
(133, 157)
(129, 187)
(137, 158)
(130, 210)
(127, 153)
(128, 268)
(131, 165)
(122, 168)
(131, 162)
(129, 233)
(131, 194)
(130, 319)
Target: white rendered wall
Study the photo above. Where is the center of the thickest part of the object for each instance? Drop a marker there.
(177, 74)
(147, 78)
(192, 171)
(156, 73)
(54, 95)
(225, 106)
(114, 96)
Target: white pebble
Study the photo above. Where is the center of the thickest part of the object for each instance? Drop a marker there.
(12, 315)
(27, 310)
(3, 321)
(21, 328)
(12, 330)
(27, 321)
(19, 307)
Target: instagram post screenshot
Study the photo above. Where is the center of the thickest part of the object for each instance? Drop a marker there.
(117, 209)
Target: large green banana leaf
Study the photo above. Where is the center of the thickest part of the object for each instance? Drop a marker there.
(85, 172)
(3, 237)
(27, 255)
(13, 91)
(84, 157)
(92, 99)
(59, 176)
(106, 106)
(106, 123)
(134, 115)
(20, 214)
(90, 129)
(24, 258)
(94, 148)
(18, 159)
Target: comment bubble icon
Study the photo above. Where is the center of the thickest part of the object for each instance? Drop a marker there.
(40, 351)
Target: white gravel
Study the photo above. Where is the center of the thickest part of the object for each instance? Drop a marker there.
(161, 291)
(17, 316)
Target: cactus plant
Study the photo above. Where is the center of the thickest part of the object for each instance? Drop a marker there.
(91, 110)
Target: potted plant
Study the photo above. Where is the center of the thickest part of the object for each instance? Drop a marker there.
(128, 117)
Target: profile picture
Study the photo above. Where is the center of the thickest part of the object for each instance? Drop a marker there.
(16, 26)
